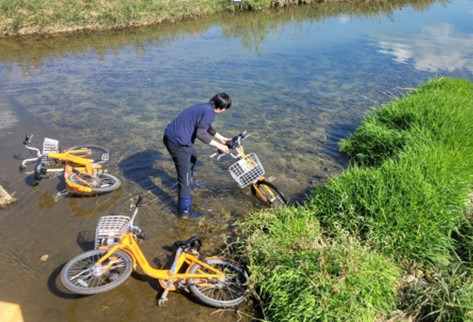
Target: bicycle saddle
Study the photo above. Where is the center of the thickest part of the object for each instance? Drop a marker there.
(193, 242)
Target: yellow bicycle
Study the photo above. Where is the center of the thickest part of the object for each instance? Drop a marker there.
(248, 171)
(81, 165)
(215, 281)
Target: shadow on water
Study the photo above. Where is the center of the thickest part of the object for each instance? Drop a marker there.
(55, 287)
(86, 240)
(140, 168)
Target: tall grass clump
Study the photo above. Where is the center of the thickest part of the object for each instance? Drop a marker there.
(304, 276)
(448, 296)
(414, 200)
(389, 238)
(408, 207)
(406, 194)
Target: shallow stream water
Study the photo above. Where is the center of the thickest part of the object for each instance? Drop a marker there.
(301, 79)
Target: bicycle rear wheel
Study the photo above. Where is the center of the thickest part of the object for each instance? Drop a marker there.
(97, 153)
(226, 293)
(102, 183)
(81, 276)
(268, 193)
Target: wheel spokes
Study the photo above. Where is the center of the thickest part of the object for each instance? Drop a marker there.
(222, 290)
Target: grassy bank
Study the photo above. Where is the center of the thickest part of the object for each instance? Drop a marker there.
(20, 17)
(391, 237)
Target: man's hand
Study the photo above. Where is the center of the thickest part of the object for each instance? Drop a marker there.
(224, 148)
(221, 138)
(219, 146)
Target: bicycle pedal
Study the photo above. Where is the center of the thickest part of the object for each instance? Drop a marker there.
(162, 302)
(271, 179)
(61, 194)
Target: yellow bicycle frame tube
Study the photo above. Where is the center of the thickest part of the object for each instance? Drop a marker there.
(131, 247)
(88, 167)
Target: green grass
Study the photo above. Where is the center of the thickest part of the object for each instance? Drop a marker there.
(404, 203)
(53, 16)
(304, 276)
(408, 196)
(45, 16)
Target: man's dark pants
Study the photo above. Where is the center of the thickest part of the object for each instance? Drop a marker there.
(184, 158)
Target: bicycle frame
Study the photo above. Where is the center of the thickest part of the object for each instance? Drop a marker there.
(129, 245)
(216, 281)
(70, 161)
(74, 163)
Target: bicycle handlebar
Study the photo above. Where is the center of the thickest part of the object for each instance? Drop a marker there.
(27, 140)
(27, 143)
(234, 143)
(236, 140)
(135, 229)
(138, 202)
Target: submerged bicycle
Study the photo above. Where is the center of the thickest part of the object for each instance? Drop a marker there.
(248, 171)
(215, 281)
(81, 165)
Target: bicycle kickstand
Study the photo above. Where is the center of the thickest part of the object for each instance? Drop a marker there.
(164, 298)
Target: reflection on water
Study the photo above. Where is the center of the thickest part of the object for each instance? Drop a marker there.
(300, 79)
(431, 50)
(251, 28)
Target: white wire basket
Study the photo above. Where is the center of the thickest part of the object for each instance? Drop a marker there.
(247, 170)
(49, 145)
(110, 229)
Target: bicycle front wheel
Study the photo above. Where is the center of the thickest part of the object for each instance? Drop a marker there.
(81, 276)
(269, 193)
(101, 183)
(227, 293)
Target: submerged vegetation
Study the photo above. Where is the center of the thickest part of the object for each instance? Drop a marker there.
(19, 17)
(391, 237)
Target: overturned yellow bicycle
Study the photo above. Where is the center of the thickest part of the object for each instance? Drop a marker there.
(81, 165)
(215, 281)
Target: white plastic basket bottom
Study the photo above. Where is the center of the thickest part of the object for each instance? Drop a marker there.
(110, 229)
(247, 170)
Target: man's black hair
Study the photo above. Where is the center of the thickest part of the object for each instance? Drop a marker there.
(221, 101)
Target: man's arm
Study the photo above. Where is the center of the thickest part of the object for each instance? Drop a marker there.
(222, 147)
(221, 138)
(203, 134)
(212, 131)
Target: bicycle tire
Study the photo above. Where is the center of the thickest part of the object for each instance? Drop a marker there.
(270, 192)
(99, 154)
(221, 294)
(78, 274)
(103, 183)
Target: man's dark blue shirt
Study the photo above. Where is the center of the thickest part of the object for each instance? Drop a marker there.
(182, 130)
